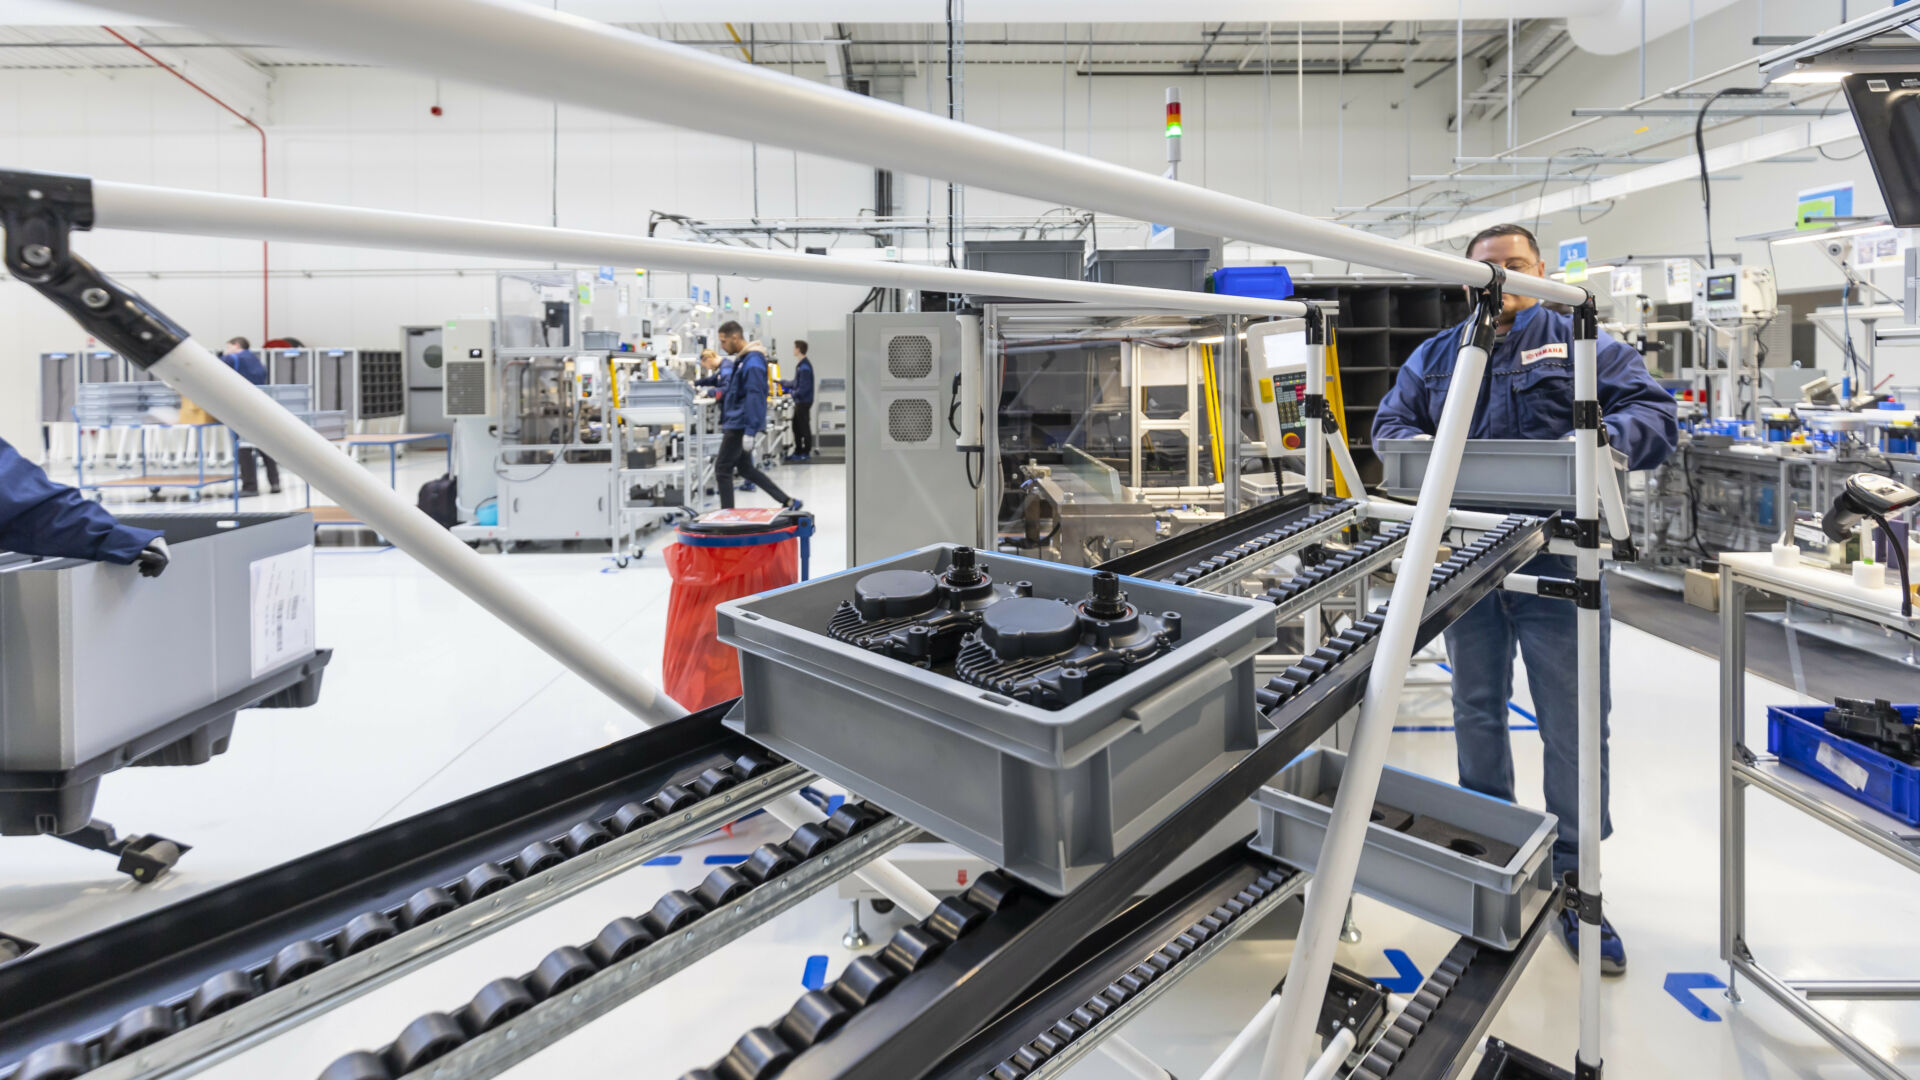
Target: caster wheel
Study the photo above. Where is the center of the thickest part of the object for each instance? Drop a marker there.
(882, 907)
(622, 562)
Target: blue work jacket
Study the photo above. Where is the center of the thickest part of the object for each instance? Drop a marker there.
(743, 402)
(801, 385)
(720, 375)
(248, 364)
(40, 517)
(1528, 391)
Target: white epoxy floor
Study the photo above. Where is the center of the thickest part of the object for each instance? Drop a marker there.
(427, 700)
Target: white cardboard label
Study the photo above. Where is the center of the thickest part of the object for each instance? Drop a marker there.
(1849, 771)
(280, 597)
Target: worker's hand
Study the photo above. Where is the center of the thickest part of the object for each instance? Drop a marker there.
(153, 558)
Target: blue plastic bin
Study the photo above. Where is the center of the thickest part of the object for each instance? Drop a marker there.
(1795, 735)
(1266, 282)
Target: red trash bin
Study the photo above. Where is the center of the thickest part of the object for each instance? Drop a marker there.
(721, 556)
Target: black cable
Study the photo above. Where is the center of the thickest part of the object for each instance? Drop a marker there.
(1898, 545)
(1700, 148)
(1693, 504)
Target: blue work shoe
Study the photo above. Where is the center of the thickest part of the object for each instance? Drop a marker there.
(1613, 954)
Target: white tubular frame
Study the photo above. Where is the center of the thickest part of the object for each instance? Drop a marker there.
(143, 208)
(1316, 449)
(557, 57)
(1319, 936)
(1586, 510)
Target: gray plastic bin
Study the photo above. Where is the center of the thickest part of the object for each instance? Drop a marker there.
(1491, 904)
(1509, 474)
(94, 656)
(1051, 796)
(1028, 258)
(1151, 268)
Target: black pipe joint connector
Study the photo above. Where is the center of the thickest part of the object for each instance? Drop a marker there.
(1480, 330)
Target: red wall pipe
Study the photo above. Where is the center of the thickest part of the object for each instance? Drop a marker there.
(265, 332)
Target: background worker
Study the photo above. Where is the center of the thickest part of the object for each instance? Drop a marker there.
(1528, 394)
(801, 387)
(40, 517)
(238, 354)
(716, 368)
(743, 415)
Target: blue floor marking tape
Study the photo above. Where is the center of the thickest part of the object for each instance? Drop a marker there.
(724, 860)
(663, 860)
(1407, 977)
(1684, 986)
(814, 975)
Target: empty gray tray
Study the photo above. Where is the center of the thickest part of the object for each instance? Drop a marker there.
(1491, 904)
(1507, 474)
(1050, 796)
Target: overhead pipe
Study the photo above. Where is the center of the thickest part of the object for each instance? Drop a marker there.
(144, 208)
(552, 56)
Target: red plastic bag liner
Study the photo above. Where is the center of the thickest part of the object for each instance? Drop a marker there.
(721, 556)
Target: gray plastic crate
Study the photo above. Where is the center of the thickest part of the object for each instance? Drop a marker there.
(1051, 796)
(1151, 268)
(1028, 258)
(1509, 474)
(94, 656)
(1491, 904)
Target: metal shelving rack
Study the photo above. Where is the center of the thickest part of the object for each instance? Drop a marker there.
(1742, 768)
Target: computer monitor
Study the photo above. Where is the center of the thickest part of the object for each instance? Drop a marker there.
(1886, 108)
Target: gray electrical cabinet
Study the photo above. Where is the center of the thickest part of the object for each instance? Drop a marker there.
(907, 486)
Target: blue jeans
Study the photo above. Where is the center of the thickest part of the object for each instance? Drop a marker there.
(1480, 646)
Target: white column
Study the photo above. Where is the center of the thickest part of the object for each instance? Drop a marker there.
(1586, 509)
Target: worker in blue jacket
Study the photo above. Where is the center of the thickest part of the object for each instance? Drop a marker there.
(1528, 394)
(239, 355)
(40, 517)
(743, 415)
(801, 388)
(718, 370)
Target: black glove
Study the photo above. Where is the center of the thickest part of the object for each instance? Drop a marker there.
(153, 558)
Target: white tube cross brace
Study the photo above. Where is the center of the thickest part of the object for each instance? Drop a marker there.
(1312, 962)
(551, 56)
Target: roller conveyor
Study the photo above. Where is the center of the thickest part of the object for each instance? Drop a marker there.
(933, 1010)
(1236, 546)
(940, 984)
(277, 948)
(1157, 942)
(1449, 1014)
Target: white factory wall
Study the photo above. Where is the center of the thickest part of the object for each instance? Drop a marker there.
(366, 137)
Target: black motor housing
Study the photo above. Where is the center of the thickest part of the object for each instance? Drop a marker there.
(919, 617)
(1052, 653)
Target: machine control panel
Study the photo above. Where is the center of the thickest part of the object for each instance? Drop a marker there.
(1277, 363)
(1730, 296)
